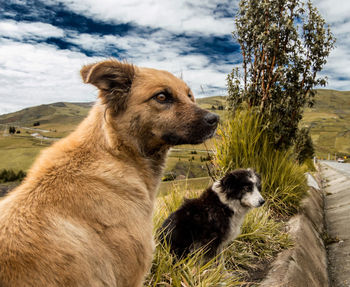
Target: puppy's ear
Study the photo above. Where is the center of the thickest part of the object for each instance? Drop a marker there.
(228, 181)
(113, 79)
(252, 170)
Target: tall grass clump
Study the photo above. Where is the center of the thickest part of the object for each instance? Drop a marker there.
(244, 143)
(261, 239)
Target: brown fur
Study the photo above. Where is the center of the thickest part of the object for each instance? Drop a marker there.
(83, 215)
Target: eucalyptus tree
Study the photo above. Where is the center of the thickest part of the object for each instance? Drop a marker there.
(284, 46)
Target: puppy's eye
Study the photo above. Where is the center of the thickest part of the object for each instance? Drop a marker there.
(190, 96)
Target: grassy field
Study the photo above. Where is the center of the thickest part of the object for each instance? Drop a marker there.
(19, 152)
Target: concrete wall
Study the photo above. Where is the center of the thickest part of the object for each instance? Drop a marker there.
(305, 264)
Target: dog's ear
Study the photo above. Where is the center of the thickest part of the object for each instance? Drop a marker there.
(113, 79)
(108, 74)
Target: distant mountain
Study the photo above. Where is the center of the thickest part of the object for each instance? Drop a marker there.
(59, 117)
(46, 113)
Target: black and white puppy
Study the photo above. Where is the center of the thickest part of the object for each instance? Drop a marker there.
(214, 219)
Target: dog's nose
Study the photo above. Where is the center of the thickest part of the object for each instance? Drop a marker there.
(261, 202)
(211, 119)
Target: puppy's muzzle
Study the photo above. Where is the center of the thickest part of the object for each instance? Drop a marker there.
(261, 202)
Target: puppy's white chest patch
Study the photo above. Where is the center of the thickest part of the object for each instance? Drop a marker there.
(235, 222)
(236, 219)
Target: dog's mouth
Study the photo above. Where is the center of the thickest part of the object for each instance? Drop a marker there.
(194, 133)
(194, 138)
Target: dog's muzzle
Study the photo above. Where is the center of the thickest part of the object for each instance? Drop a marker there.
(211, 120)
(204, 128)
(195, 131)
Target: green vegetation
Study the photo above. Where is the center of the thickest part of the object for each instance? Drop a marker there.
(19, 151)
(284, 47)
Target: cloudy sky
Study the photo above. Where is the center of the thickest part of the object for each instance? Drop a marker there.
(43, 44)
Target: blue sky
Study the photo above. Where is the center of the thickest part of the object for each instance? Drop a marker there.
(44, 43)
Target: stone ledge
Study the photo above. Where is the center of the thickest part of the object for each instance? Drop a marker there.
(305, 264)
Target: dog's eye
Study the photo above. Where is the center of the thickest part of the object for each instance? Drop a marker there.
(190, 96)
(161, 97)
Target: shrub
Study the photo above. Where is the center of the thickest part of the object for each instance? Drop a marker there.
(7, 175)
(244, 143)
(12, 130)
(303, 146)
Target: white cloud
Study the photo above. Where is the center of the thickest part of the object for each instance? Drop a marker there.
(37, 74)
(177, 16)
(159, 53)
(334, 11)
(28, 30)
(337, 15)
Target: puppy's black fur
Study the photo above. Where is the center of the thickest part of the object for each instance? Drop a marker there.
(206, 222)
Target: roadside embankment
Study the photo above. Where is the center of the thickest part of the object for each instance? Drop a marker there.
(305, 264)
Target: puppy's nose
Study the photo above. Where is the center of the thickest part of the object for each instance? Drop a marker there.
(211, 119)
(261, 202)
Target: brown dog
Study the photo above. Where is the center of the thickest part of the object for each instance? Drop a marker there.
(83, 215)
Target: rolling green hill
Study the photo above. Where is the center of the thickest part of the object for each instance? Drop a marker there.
(58, 118)
(329, 121)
